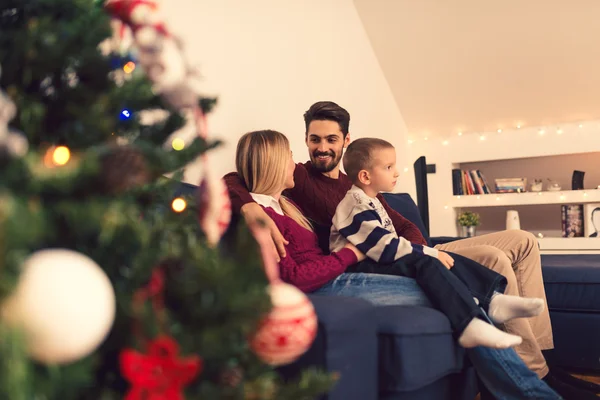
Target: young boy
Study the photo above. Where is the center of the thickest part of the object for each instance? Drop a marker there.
(452, 286)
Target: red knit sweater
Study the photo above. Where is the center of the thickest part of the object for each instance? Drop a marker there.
(318, 196)
(305, 266)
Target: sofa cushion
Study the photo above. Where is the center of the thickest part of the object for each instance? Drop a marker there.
(416, 347)
(405, 206)
(572, 282)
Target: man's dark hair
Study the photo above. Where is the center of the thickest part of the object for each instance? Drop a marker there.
(328, 111)
(359, 155)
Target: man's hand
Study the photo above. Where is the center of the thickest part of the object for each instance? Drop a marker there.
(446, 259)
(253, 213)
(359, 255)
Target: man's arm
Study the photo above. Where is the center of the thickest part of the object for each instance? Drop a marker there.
(363, 229)
(404, 228)
(238, 192)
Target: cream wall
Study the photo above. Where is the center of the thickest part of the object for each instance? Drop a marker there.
(269, 60)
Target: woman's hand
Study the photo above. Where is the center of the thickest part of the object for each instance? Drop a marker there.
(446, 259)
(254, 213)
(359, 255)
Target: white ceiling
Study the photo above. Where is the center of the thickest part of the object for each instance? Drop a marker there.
(477, 65)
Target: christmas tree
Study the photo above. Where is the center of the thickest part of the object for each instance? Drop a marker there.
(111, 286)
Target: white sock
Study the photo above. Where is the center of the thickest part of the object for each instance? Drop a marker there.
(480, 333)
(505, 307)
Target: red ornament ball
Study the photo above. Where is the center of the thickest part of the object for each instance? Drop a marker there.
(288, 330)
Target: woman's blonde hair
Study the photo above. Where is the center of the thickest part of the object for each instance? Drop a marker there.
(261, 161)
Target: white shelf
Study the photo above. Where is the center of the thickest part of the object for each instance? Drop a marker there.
(582, 245)
(527, 198)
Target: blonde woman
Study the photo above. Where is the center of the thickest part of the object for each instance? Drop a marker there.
(264, 162)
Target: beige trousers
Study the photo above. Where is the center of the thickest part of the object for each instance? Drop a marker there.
(515, 254)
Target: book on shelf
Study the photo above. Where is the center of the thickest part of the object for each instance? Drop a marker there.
(511, 185)
(572, 220)
(466, 182)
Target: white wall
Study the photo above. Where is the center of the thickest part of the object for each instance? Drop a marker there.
(269, 60)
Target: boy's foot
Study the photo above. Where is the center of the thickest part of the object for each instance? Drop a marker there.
(480, 333)
(505, 307)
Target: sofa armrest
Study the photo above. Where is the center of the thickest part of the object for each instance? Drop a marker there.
(346, 343)
(443, 239)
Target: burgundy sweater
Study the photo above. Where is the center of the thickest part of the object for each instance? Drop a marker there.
(318, 197)
(305, 266)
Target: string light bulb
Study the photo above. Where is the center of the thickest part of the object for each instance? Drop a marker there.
(445, 143)
(178, 144)
(541, 132)
(129, 67)
(459, 133)
(499, 130)
(60, 155)
(178, 205)
(125, 114)
(482, 137)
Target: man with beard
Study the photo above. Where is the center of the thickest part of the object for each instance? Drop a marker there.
(320, 186)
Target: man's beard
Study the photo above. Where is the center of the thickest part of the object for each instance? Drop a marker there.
(320, 165)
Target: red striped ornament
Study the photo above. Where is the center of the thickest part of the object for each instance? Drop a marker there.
(290, 328)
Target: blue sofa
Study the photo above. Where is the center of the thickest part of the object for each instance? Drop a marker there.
(391, 352)
(572, 284)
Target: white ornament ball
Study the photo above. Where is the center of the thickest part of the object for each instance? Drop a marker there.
(16, 144)
(289, 329)
(65, 304)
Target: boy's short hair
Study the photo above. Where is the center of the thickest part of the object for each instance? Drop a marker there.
(359, 155)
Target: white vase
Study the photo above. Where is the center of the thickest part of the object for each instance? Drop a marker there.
(512, 220)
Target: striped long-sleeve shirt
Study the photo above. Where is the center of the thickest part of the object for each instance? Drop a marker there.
(363, 221)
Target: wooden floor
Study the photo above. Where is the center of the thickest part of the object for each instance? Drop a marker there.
(590, 378)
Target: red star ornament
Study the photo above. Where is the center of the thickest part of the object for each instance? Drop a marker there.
(160, 374)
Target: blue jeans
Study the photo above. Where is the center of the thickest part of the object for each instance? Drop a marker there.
(502, 371)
